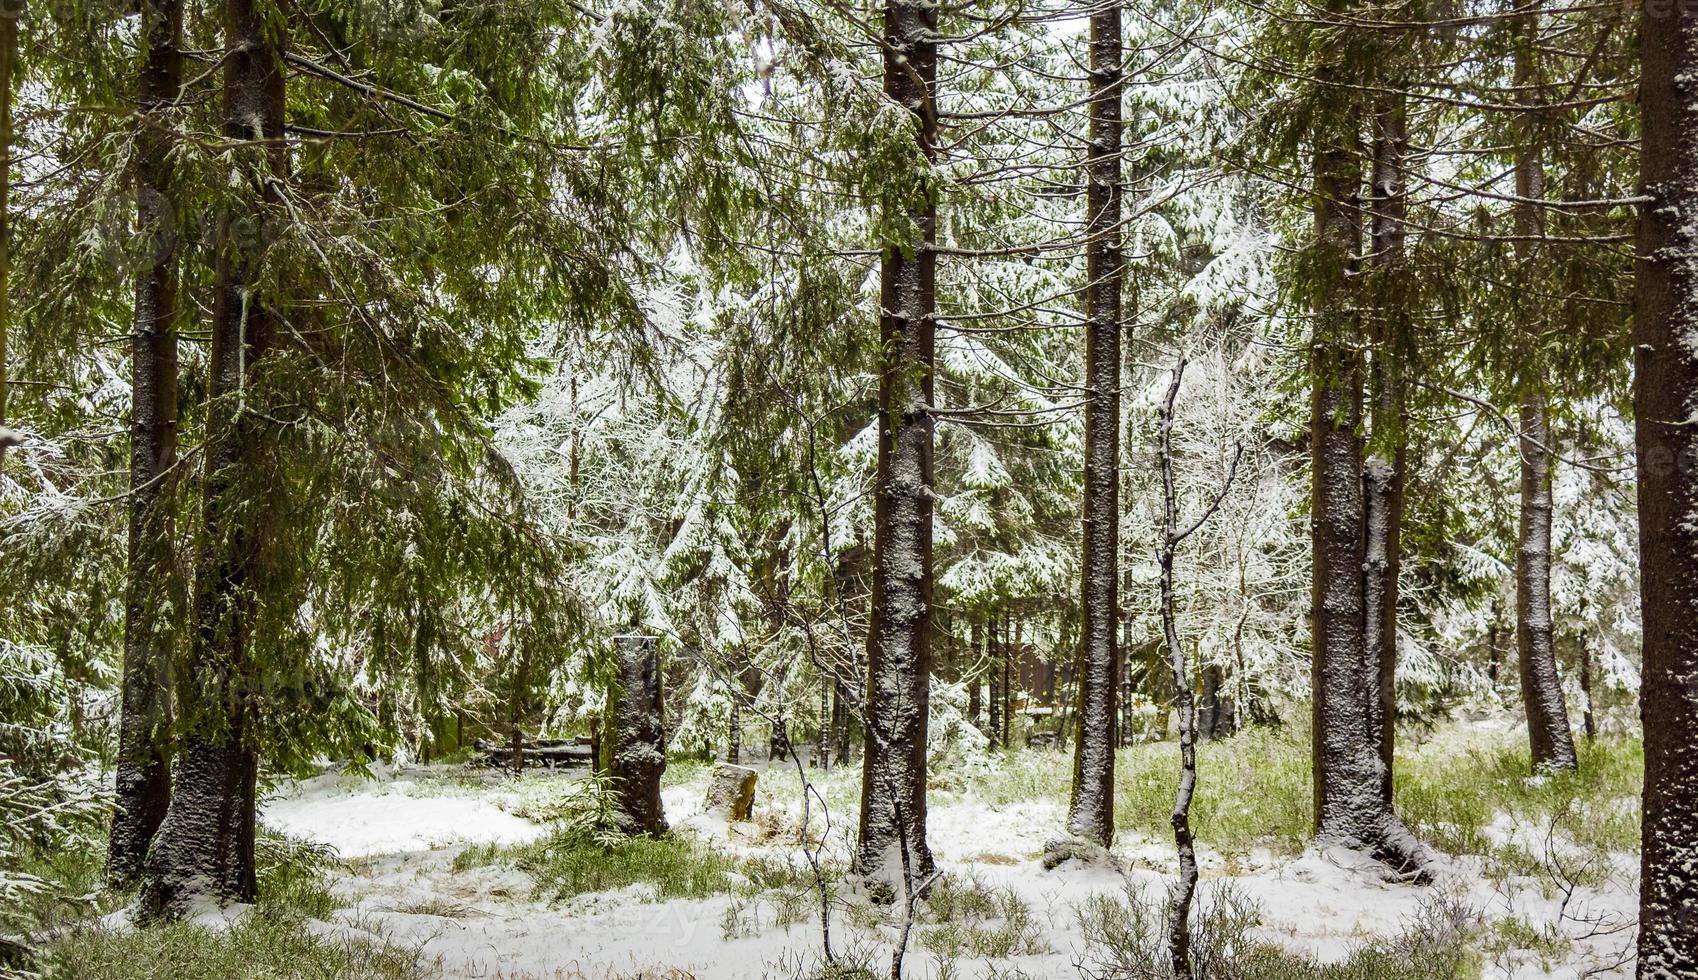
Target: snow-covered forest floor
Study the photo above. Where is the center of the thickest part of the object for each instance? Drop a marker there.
(456, 871)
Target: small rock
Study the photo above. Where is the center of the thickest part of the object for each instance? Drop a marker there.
(731, 792)
(1074, 848)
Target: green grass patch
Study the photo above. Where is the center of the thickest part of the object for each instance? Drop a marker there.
(1255, 789)
(267, 943)
(1566, 823)
(1127, 937)
(567, 863)
(963, 917)
(1547, 943)
(565, 866)
(270, 941)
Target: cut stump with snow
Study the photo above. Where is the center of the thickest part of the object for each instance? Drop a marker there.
(731, 792)
(639, 742)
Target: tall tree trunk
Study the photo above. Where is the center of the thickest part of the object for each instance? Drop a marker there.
(516, 704)
(1013, 645)
(1541, 689)
(424, 679)
(975, 681)
(840, 717)
(1091, 813)
(822, 740)
(1665, 389)
(1351, 809)
(893, 781)
(1588, 718)
(1123, 666)
(205, 847)
(8, 65)
(1208, 704)
(1548, 730)
(637, 726)
(1387, 454)
(1494, 659)
(142, 788)
(994, 655)
(734, 730)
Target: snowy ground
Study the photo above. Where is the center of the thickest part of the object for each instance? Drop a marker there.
(361, 817)
(403, 830)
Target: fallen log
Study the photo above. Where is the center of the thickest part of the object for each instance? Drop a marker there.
(551, 753)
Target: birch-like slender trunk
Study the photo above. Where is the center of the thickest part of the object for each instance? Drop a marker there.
(1185, 889)
(142, 785)
(892, 836)
(1665, 389)
(205, 846)
(1179, 924)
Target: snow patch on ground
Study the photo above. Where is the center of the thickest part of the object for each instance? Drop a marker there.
(488, 920)
(361, 817)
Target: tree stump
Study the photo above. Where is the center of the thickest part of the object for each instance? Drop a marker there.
(639, 742)
(731, 792)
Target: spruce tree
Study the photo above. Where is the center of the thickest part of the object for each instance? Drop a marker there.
(143, 782)
(891, 845)
(1665, 387)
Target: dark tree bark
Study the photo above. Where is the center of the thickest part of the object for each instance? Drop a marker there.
(1548, 730)
(638, 757)
(518, 704)
(8, 66)
(1090, 814)
(840, 718)
(1351, 808)
(1494, 660)
(424, 683)
(1665, 389)
(142, 787)
(891, 845)
(1588, 717)
(822, 739)
(1010, 679)
(1386, 460)
(205, 846)
(993, 657)
(734, 730)
(975, 681)
(1208, 705)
